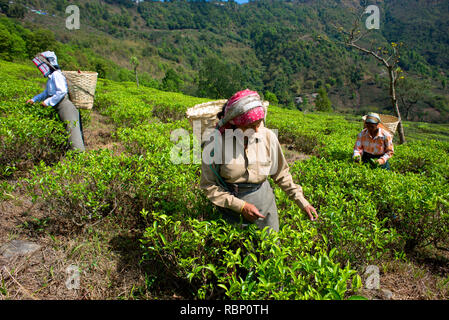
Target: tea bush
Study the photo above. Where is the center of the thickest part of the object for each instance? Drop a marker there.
(28, 133)
(86, 186)
(221, 261)
(332, 137)
(370, 211)
(128, 105)
(428, 158)
(26, 140)
(366, 214)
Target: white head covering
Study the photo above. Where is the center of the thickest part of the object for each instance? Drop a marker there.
(372, 118)
(51, 57)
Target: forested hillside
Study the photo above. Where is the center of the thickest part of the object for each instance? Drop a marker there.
(288, 48)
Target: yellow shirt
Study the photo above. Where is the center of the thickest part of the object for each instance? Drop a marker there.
(262, 158)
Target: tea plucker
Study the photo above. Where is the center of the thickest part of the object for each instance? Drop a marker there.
(55, 95)
(374, 143)
(236, 182)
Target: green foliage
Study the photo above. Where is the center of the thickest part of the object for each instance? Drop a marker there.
(220, 261)
(265, 45)
(12, 46)
(86, 186)
(365, 214)
(128, 105)
(13, 10)
(323, 102)
(19, 43)
(29, 134)
(172, 81)
(218, 79)
(271, 97)
(39, 41)
(413, 198)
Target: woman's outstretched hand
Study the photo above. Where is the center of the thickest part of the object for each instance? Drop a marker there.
(311, 212)
(251, 213)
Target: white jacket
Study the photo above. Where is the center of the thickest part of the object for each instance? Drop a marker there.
(55, 91)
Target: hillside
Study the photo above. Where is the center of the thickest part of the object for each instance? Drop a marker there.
(137, 226)
(289, 48)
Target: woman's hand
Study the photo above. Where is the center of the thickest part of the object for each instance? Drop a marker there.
(251, 213)
(311, 212)
(43, 104)
(30, 101)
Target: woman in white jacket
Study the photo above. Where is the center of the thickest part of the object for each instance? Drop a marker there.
(55, 95)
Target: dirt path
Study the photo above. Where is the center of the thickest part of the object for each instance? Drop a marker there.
(291, 155)
(99, 134)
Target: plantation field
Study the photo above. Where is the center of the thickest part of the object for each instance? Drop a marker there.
(139, 227)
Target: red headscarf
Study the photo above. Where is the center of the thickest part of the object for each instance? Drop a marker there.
(247, 107)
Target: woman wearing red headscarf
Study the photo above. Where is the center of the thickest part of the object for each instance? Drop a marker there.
(236, 181)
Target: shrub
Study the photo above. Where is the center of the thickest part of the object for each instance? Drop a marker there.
(217, 260)
(27, 139)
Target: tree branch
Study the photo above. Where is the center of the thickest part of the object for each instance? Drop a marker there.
(375, 55)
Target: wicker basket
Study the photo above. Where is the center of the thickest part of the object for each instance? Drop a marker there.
(390, 122)
(207, 114)
(81, 87)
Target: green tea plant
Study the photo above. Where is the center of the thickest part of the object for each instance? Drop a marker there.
(28, 133)
(365, 214)
(370, 211)
(222, 261)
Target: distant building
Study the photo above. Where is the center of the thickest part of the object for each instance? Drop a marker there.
(311, 97)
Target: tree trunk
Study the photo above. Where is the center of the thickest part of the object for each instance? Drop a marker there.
(394, 102)
(137, 79)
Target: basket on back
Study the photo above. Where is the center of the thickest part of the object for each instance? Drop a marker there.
(390, 122)
(205, 114)
(81, 87)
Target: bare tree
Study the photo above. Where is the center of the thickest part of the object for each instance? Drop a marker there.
(387, 56)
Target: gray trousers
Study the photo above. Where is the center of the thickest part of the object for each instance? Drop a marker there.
(69, 114)
(265, 201)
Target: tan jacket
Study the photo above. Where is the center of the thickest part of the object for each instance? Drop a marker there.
(262, 158)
